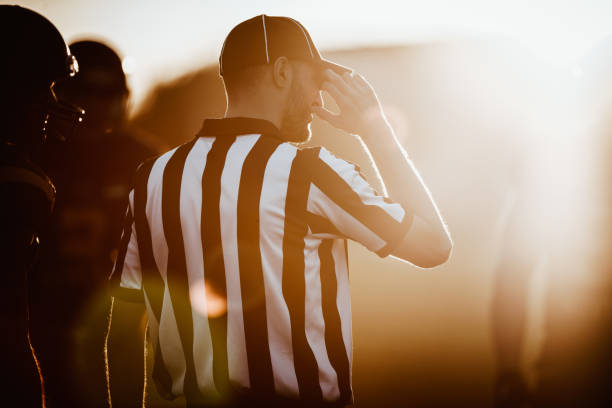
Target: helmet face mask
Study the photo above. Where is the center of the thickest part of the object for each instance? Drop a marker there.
(63, 118)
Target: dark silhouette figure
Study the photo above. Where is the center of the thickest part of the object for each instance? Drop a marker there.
(92, 172)
(561, 222)
(509, 308)
(35, 60)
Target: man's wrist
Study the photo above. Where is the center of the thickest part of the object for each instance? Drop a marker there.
(378, 133)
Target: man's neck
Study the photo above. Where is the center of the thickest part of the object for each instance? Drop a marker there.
(254, 112)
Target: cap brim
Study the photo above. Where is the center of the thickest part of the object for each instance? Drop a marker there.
(340, 69)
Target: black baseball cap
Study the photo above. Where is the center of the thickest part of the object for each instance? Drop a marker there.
(262, 39)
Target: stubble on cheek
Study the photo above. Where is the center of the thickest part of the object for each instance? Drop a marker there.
(295, 126)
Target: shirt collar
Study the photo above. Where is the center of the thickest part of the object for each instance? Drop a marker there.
(238, 126)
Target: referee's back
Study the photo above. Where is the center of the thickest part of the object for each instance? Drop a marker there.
(236, 242)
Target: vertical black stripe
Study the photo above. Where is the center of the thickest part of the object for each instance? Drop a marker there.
(160, 375)
(152, 283)
(178, 283)
(251, 272)
(214, 266)
(321, 225)
(294, 280)
(132, 295)
(334, 341)
(115, 279)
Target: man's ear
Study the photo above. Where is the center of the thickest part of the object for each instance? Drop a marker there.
(282, 72)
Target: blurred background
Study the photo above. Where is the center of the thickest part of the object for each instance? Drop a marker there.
(504, 107)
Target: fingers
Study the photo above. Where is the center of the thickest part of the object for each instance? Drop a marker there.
(352, 79)
(349, 78)
(343, 84)
(352, 84)
(355, 98)
(341, 98)
(325, 114)
(361, 82)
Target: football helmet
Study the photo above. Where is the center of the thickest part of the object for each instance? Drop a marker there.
(36, 60)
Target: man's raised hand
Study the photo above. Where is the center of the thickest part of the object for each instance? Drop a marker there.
(360, 110)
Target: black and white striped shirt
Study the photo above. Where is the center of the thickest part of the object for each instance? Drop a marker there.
(236, 241)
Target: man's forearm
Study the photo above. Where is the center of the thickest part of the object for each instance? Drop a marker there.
(399, 176)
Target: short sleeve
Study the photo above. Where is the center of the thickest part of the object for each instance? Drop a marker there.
(342, 203)
(126, 277)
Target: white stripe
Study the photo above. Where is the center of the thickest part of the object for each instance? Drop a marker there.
(169, 339)
(272, 216)
(343, 298)
(154, 212)
(170, 345)
(230, 182)
(191, 214)
(315, 324)
(263, 19)
(131, 274)
(153, 324)
(305, 36)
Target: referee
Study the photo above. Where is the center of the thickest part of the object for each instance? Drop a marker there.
(236, 241)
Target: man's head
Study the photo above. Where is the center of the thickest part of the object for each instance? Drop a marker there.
(100, 88)
(272, 69)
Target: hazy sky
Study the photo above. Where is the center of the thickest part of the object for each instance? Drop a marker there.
(167, 38)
